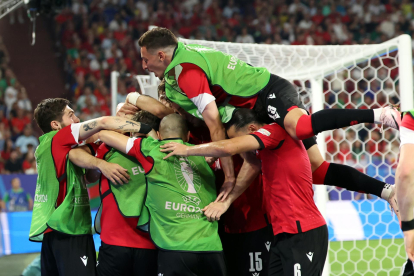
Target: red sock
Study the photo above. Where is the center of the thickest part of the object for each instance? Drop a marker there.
(304, 127)
(319, 174)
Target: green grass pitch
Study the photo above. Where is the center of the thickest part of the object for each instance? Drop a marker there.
(367, 257)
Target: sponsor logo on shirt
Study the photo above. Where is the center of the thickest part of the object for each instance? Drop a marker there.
(84, 260)
(264, 131)
(232, 63)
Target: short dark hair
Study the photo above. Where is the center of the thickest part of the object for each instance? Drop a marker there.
(158, 38)
(241, 118)
(49, 110)
(148, 118)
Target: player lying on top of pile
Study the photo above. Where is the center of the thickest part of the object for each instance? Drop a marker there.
(209, 84)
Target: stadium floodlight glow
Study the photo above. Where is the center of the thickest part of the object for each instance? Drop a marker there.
(365, 238)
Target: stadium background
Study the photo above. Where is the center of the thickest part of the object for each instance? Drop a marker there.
(76, 50)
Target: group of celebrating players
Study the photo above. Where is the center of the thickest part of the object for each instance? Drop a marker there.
(159, 205)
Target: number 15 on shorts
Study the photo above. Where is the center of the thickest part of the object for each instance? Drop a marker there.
(255, 262)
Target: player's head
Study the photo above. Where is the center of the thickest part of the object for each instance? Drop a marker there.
(243, 122)
(173, 126)
(157, 48)
(54, 114)
(15, 183)
(148, 118)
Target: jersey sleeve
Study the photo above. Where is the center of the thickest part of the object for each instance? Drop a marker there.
(193, 82)
(136, 147)
(64, 140)
(102, 150)
(407, 129)
(270, 136)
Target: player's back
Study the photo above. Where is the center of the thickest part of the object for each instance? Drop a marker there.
(287, 179)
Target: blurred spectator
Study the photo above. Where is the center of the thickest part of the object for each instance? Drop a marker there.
(16, 199)
(244, 37)
(26, 139)
(13, 164)
(23, 101)
(20, 121)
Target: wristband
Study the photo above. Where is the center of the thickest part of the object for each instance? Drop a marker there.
(407, 225)
(133, 97)
(119, 106)
(145, 129)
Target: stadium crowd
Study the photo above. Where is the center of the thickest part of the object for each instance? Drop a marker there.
(17, 140)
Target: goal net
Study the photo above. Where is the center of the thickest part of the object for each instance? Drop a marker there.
(364, 235)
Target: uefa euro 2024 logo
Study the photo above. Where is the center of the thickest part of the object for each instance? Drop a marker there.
(187, 176)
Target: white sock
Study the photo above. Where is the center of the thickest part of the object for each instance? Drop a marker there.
(377, 115)
(386, 191)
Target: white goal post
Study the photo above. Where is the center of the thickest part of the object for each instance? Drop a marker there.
(344, 76)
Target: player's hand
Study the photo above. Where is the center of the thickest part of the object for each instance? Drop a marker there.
(214, 210)
(174, 149)
(409, 243)
(114, 172)
(226, 189)
(126, 109)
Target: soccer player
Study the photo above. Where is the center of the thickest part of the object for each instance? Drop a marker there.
(301, 237)
(61, 212)
(404, 181)
(208, 84)
(178, 189)
(125, 250)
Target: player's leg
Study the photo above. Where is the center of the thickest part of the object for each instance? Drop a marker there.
(282, 104)
(114, 260)
(171, 263)
(75, 255)
(247, 254)
(48, 266)
(347, 177)
(211, 264)
(302, 253)
(144, 262)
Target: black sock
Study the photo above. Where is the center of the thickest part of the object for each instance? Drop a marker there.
(328, 119)
(351, 179)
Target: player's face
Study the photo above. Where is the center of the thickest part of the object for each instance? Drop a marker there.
(153, 61)
(69, 117)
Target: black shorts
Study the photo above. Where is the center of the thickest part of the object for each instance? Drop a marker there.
(301, 254)
(408, 268)
(172, 263)
(126, 261)
(276, 99)
(64, 254)
(247, 254)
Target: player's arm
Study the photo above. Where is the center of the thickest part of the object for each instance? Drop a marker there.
(250, 169)
(30, 201)
(91, 127)
(221, 148)
(82, 157)
(149, 104)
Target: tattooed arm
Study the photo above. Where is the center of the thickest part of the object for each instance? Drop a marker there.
(91, 127)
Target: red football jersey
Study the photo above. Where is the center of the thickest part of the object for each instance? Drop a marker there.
(287, 180)
(193, 82)
(115, 228)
